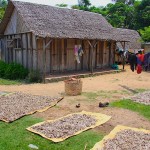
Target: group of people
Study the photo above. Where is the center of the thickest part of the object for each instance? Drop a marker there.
(139, 61)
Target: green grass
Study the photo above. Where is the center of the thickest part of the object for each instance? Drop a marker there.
(103, 94)
(94, 95)
(141, 90)
(142, 109)
(14, 136)
(9, 82)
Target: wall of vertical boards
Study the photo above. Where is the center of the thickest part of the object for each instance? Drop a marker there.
(27, 49)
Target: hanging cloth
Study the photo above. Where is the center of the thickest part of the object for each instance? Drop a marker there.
(76, 54)
(80, 51)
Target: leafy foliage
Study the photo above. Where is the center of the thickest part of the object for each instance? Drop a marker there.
(75, 7)
(145, 34)
(62, 5)
(84, 3)
(120, 15)
(3, 5)
(143, 14)
(12, 71)
(128, 2)
(34, 76)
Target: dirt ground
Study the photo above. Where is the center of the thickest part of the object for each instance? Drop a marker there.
(123, 83)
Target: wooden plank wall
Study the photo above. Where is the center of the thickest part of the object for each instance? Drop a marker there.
(26, 54)
(59, 54)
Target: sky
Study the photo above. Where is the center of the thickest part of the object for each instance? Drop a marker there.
(69, 2)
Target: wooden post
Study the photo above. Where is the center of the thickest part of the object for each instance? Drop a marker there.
(92, 45)
(31, 50)
(114, 49)
(123, 55)
(21, 50)
(109, 42)
(44, 57)
(37, 53)
(26, 50)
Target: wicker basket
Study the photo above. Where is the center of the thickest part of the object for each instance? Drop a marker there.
(73, 87)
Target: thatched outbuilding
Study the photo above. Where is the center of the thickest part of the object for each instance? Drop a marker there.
(43, 38)
(132, 36)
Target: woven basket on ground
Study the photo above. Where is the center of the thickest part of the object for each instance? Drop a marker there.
(73, 87)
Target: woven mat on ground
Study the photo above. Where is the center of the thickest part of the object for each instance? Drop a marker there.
(131, 142)
(2, 93)
(60, 129)
(143, 98)
(16, 105)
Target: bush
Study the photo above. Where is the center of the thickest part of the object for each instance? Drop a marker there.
(12, 71)
(3, 67)
(34, 76)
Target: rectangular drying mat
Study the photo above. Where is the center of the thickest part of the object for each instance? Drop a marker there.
(16, 105)
(60, 129)
(118, 129)
(4, 93)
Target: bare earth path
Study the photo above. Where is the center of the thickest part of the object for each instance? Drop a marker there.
(103, 82)
(115, 82)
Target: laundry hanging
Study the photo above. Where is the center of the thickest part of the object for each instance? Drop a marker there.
(78, 51)
(147, 61)
(76, 54)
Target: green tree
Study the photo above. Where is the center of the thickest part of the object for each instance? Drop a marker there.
(128, 2)
(3, 5)
(84, 3)
(145, 34)
(62, 5)
(100, 10)
(75, 7)
(143, 14)
(120, 15)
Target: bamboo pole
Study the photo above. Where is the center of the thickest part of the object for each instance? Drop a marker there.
(44, 57)
(123, 55)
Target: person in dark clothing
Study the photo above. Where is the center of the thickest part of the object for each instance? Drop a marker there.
(132, 59)
(146, 61)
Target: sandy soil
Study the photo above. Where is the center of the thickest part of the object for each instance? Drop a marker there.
(116, 82)
(103, 82)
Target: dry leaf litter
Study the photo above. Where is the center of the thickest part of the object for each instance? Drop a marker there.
(17, 105)
(143, 98)
(128, 140)
(65, 127)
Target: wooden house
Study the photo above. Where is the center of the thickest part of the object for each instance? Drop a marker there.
(43, 38)
(146, 47)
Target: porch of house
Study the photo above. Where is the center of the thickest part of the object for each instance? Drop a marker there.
(80, 74)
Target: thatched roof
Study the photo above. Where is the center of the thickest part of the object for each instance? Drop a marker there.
(128, 35)
(57, 22)
(6, 18)
(54, 22)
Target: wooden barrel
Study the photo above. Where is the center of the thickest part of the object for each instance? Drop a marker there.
(73, 87)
